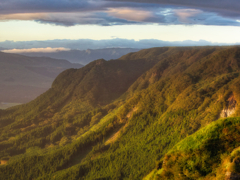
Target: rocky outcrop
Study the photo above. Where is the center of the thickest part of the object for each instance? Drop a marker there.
(4, 161)
(227, 112)
(232, 176)
(233, 167)
(230, 108)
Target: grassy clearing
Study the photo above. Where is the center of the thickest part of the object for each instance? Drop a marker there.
(103, 121)
(207, 154)
(211, 131)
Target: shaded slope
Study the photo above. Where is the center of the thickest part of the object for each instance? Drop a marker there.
(68, 107)
(102, 81)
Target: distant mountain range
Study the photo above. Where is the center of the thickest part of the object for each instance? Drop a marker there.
(85, 56)
(83, 44)
(23, 78)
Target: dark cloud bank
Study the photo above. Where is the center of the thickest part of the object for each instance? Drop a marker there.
(111, 12)
(228, 8)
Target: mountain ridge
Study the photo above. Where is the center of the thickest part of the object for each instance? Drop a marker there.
(81, 128)
(85, 56)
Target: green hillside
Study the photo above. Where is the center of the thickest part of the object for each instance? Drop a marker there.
(211, 153)
(120, 119)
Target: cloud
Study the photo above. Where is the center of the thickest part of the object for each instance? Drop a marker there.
(130, 14)
(120, 12)
(64, 19)
(228, 8)
(121, 16)
(23, 16)
(34, 6)
(185, 14)
(36, 50)
(105, 18)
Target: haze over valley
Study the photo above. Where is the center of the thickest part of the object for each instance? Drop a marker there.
(24, 78)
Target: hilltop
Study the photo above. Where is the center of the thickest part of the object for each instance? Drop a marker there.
(148, 111)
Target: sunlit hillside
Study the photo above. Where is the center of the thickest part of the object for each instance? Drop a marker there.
(154, 114)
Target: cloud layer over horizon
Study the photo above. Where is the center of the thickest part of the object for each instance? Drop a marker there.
(122, 12)
(36, 50)
(84, 44)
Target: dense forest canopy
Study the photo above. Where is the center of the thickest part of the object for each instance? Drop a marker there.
(154, 114)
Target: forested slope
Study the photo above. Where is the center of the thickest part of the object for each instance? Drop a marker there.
(117, 119)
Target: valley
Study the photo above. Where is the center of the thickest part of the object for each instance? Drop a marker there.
(24, 78)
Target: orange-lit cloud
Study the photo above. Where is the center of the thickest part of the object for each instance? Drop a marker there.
(185, 14)
(122, 12)
(35, 50)
(24, 16)
(130, 14)
(63, 18)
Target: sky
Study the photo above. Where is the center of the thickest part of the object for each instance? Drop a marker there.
(26, 21)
